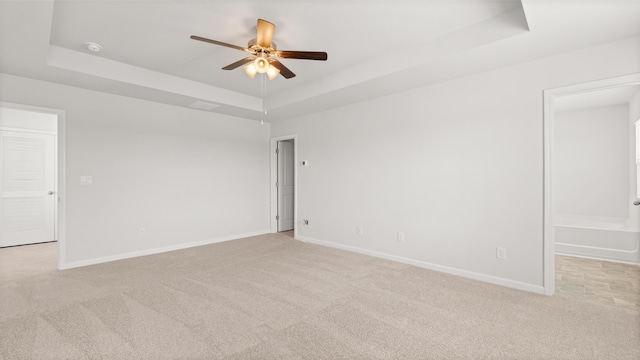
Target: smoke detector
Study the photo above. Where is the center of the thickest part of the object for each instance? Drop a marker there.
(95, 47)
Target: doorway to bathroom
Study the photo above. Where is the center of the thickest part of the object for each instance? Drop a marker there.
(592, 226)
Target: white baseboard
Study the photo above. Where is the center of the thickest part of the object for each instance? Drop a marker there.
(445, 269)
(75, 264)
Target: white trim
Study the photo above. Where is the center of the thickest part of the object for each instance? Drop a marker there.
(548, 252)
(27, 131)
(548, 124)
(80, 263)
(274, 178)
(60, 188)
(425, 265)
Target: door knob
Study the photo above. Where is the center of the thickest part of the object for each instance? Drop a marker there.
(50, 192)
(636, 203)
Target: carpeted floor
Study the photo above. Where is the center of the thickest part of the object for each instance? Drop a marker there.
(272, 297)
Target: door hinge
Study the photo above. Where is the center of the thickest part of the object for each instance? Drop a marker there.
(277, 151)
(276, 184)
(277, 217)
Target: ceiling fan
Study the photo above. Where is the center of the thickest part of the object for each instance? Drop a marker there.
(264, 54)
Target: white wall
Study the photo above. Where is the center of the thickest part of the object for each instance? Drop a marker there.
(457, 166)
(185, 175)
(591, 162)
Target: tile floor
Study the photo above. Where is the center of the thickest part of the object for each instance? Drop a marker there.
(598, 281)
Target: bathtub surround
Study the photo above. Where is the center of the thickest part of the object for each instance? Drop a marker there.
(599, 238)
(271, 297)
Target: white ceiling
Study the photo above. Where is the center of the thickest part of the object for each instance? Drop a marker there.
(374, 47)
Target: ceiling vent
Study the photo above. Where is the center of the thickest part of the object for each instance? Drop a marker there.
(95, 47)
(201, 105)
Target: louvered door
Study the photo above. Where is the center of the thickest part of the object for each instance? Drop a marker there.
(27, 187)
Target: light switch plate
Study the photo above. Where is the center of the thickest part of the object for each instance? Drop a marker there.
(86, 180)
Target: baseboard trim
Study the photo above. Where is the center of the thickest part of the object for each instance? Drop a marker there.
(80, 263)
(422, 264)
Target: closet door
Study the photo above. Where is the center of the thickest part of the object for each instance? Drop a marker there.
(27, 188)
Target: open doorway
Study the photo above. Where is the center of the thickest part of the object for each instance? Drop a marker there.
(30, 182)
(591, 224)
(284, 191)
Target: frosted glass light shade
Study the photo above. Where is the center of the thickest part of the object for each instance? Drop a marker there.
(272, 72)
(261, 65)
(250, 70)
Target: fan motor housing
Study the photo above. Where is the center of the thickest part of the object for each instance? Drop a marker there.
(253, 45)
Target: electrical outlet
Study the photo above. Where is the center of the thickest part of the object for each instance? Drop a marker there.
(359, 230)
(142, 231)
(501, 253)
(400, 236)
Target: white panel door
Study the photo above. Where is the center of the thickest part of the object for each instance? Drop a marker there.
(27, 185)
(286, 185)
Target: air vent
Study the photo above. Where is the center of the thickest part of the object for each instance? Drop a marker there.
(200, 105)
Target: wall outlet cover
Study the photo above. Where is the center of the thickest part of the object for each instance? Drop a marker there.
(501, 253)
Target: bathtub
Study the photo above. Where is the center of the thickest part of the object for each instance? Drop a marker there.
(601, 238)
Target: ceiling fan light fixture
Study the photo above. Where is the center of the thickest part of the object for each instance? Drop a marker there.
(250, 70)
(264, 56)
(261, 64)
(272, 72)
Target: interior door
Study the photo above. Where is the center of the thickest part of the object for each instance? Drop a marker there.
(286, 185)
(27, 185)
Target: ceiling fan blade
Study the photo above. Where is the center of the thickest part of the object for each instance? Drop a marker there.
(265, 33)
(304, 55)
(284, 71)
(238, 63)
(199, 38)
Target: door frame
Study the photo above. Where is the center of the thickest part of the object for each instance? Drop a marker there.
(274, 178)
(548, 124)
(60, 180)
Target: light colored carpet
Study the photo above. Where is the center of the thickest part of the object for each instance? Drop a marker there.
(272, 297)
